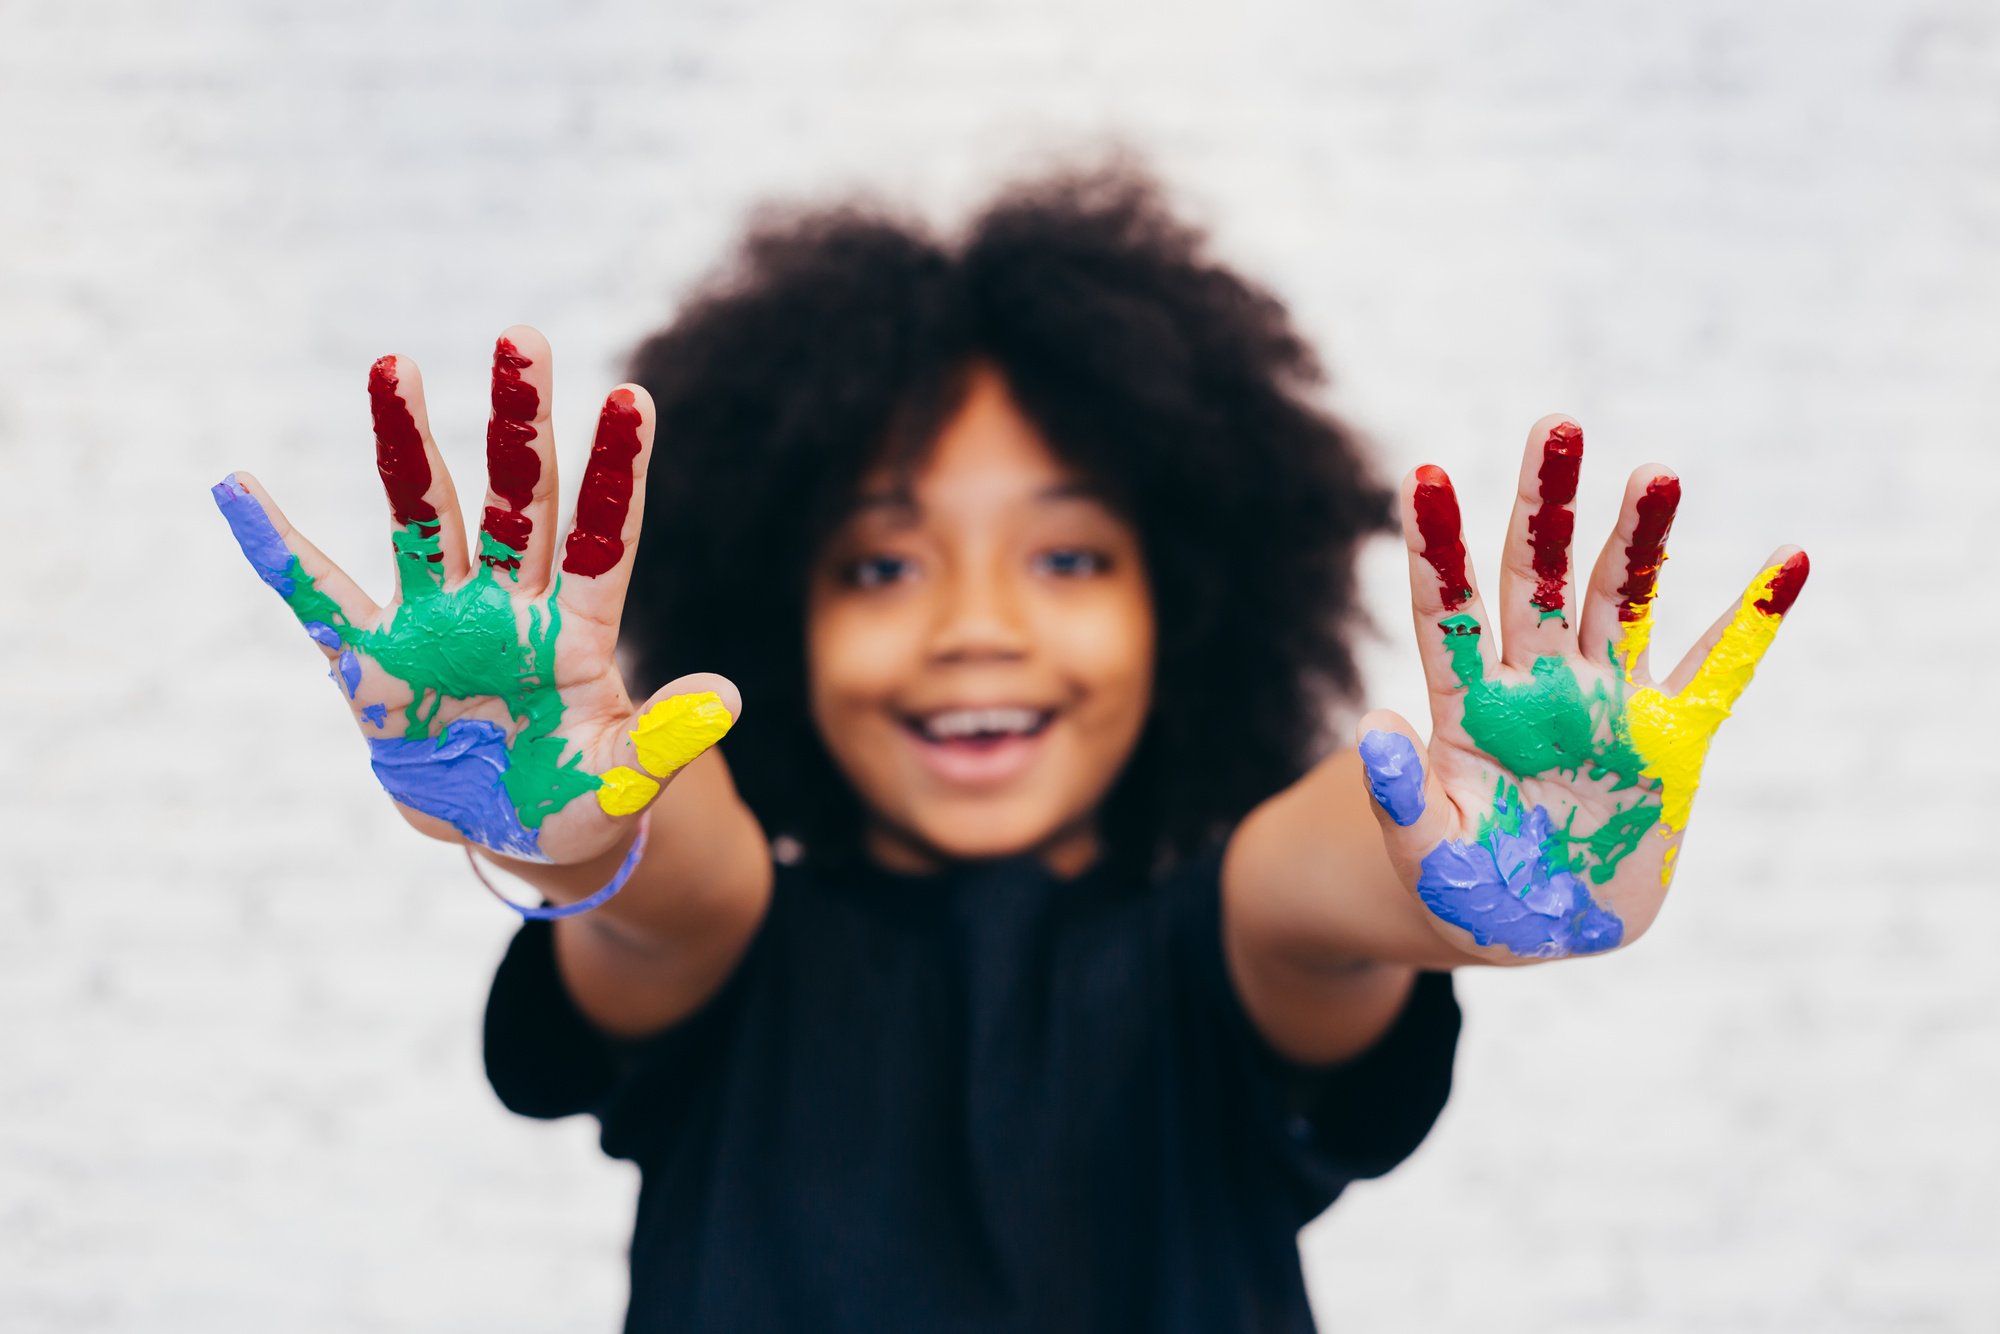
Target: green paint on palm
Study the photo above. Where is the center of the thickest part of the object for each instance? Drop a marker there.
(464, 643)
(1611, 842)
(1545, 724)
(1551, 724)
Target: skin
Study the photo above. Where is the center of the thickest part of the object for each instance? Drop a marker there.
(992, 576)
(1559, 714)
(996, 577)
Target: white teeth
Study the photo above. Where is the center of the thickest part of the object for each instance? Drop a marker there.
(972, 722)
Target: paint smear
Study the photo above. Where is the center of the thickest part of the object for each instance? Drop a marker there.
(1395, 775)
(677, 729)
(467, 642)
(512, 466)
(1785, 585)
(399, 448)
(275, 564)
(256, 535)
(461, 643)
(597, 542)
(1643, 559)
(1672, 733)
(1551, 526)
(625, 791)
(1546, 724)
(459, 778)
(1512, 887)
(1551, 724)
(1438, 524)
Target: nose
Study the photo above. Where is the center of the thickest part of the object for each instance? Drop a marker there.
(980, 615)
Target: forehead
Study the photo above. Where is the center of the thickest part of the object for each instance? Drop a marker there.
(988, 452)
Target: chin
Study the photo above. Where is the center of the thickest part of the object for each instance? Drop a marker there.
(984, 835)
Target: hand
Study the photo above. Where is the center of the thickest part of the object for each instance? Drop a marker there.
(487, 691)
(1544, 816)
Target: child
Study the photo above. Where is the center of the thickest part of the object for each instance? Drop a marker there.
(1079, 980)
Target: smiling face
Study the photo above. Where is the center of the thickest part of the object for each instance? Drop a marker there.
(980, 647)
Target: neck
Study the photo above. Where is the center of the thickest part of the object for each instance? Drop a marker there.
(1065, 853)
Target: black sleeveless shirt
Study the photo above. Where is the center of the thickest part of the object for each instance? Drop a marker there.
(981, 1100)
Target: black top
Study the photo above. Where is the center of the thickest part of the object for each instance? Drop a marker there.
(981, 1100)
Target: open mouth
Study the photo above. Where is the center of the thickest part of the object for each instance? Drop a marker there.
(979, 745)
(979, 726)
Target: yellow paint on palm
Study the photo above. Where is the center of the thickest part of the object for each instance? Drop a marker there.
(625, 790)
(679, 728)
(1671, 733)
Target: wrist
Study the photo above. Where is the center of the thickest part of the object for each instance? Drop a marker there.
(568, 891)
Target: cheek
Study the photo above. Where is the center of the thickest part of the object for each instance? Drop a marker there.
(853, 657)
(1109, 646)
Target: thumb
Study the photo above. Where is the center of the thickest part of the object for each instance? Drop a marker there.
(1411, 806)
(682, 719)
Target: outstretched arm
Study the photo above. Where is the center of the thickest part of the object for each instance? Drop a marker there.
(1543, 817)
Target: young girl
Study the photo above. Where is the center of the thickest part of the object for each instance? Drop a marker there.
(1082, 974)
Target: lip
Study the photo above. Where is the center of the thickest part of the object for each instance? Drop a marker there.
(978, 764)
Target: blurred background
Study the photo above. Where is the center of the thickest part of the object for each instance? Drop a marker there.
(240, 1084)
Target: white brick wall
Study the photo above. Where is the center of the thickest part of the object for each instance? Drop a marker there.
(239, 1082)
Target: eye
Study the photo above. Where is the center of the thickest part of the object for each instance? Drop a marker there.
(1072, 562)
(875, 571)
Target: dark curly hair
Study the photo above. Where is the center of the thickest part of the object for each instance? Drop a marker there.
(838, 338)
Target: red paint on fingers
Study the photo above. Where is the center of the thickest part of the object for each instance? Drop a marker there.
(1551, 526)
(1648, 550)
(1785, 585)
(597, 542)
(512, 466)
(1438, 524)
(399, 449)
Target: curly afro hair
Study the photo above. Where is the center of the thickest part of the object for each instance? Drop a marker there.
(837, 339)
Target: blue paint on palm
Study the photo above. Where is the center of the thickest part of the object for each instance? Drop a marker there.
(1395, 775)
(350, 671)
(1512, 887)
(376, 714)
(254, 533)
(457, 778)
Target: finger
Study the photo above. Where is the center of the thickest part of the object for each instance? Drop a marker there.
(1536, 617)
(1415, 813)
(1451, 619)
(330, 605)
(1720, 663)
(1671, 728)
(517, 528)
(430, 536)
(597, 558)
(1617, 620)
(335, 612)
(682, 719)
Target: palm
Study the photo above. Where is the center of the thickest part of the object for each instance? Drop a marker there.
(487, 691)
(1559, 776)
